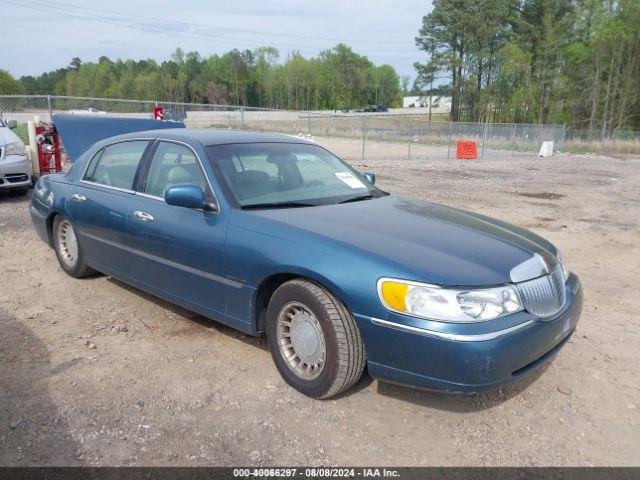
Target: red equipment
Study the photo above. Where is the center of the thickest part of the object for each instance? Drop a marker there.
(51, 155)
(467, 150)
(158, 113)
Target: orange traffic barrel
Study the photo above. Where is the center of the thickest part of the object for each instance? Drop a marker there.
(467, 150)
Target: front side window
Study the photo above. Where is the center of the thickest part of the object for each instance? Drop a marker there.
(271, 174)
(116, 165)
(173, 164)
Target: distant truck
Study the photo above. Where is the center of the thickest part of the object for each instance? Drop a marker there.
(375, 108)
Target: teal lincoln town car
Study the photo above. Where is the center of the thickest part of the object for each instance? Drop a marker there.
(276, 235)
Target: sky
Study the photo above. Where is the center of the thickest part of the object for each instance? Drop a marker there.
(40, 35)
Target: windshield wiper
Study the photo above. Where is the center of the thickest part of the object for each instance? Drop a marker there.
(255, 206)
(358, 198)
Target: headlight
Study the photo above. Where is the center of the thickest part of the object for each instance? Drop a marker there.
(447, 304)
(565, 271)
(16, 148)
(40, 189)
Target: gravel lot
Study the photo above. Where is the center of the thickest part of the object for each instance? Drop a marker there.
(93, 372)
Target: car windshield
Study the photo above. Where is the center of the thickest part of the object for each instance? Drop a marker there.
(272, 175)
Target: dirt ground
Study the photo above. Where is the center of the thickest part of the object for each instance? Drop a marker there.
(93, 372)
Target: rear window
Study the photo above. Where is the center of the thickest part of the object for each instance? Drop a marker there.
(116, 165)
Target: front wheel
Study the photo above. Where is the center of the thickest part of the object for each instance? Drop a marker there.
(68, 250)
(314, 341)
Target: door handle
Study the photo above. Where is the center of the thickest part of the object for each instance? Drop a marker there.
(78, 198)
(143, 216)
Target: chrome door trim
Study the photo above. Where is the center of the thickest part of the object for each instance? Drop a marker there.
(111, 243)
(164, 261)
(109, 187)
(185, 268)
(481, 337)
(152, 197)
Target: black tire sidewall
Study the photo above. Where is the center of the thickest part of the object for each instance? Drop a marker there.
(295, 291)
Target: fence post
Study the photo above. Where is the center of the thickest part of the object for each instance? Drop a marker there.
(242, 117)
(364, 133)
(449, 140)
(309, 122)
(410, 135)
(484, 138)
(541, 134)
(49, 105)
(563, 138)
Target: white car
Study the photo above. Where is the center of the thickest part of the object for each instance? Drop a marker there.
(15, 167)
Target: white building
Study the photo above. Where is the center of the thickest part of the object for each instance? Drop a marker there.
(438, 105)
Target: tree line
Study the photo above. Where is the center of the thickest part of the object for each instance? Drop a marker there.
(560, 61)
(540, 61)
(338, 78)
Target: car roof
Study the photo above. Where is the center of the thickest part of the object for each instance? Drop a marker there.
(208, 137)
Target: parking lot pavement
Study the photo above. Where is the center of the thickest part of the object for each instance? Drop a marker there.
(93, 372)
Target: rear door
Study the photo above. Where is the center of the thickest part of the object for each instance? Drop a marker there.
(99, 203)
(178, 252)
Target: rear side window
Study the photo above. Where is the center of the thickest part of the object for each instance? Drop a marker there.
(116, 165)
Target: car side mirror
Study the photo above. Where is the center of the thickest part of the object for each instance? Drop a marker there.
(188, 196)
(12, 123)
(370, 176)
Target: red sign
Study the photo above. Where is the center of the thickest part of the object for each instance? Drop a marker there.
(158, 113)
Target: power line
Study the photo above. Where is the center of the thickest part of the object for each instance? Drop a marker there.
(240, 30)
(166, 27)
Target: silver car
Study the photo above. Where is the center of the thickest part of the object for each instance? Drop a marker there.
(15, 167)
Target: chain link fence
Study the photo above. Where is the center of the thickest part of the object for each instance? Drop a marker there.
(603, 140)
(414, 131)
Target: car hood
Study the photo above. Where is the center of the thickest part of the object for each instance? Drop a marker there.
(7, 136)
(79, 132)
(429, 242)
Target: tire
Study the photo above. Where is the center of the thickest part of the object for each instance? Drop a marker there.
(314, 341)
(68, 249)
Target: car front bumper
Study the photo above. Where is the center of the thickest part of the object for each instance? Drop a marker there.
(468, 360)
(15, 172)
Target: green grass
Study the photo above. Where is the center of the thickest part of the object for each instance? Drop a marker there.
(22, 132)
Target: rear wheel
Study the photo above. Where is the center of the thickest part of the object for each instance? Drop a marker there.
(68, 249)
(314, 340)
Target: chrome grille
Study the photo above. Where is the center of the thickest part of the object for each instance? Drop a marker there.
(543, 296)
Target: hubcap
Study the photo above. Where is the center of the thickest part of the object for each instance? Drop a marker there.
(301, 341)
(68, 243)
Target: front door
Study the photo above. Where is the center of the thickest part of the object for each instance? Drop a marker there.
(177, 252)
(99, 203)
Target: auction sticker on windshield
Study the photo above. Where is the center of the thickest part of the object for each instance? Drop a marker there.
(350, 180)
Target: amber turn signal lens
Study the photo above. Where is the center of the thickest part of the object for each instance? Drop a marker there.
(393, 294)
